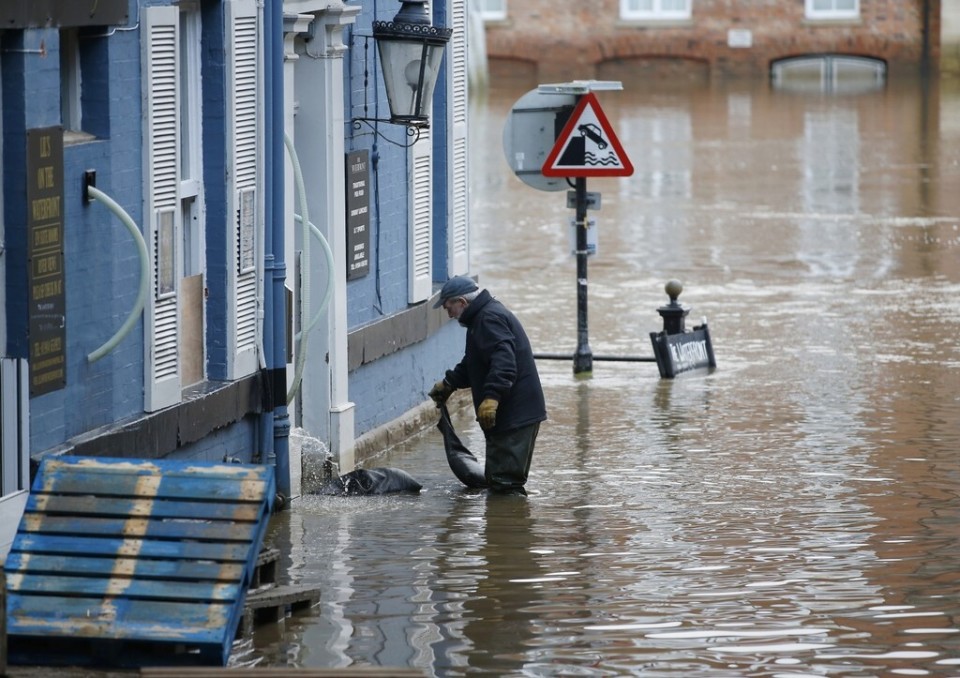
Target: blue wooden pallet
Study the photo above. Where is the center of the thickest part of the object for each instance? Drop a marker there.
(126, 563)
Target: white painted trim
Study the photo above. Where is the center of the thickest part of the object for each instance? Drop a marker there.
(420, 219)
(244, 283)
(458, 189)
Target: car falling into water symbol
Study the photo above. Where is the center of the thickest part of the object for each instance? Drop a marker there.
(592, 132)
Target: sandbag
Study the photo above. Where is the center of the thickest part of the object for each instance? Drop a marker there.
(464, 465)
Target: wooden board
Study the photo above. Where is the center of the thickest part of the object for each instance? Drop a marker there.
(130, 562)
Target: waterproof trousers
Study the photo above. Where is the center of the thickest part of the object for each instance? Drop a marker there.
(508, 458)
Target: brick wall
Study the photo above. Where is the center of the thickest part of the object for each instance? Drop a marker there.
(576, 42)
(950, 39)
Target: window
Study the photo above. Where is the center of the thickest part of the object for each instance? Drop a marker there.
(655, 9)
(833, 9)
(84, 96)
(191, 161)
(493, 10)
(70, 112)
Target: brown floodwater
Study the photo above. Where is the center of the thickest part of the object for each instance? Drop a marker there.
(795, 512)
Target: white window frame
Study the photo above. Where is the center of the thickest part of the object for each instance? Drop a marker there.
(832, 13)
(493, 10)
(629, 10)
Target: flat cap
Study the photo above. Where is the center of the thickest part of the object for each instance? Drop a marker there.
(457, 286)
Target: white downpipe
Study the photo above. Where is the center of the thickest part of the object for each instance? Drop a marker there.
(131, 320)
(308, 228)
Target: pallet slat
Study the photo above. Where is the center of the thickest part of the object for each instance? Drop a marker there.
(155, 508)
(137, 527)
(83, 482)
(186, 570)
(116, 560)
(128, 587)
(98, 619)
(76, 545)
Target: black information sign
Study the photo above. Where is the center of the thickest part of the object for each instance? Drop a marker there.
(358, 214)
(45, 278)
(682, 352)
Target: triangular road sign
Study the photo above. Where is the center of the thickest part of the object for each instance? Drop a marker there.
(587, 146)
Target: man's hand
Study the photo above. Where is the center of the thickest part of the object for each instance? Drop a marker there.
(487, 413)
(440, 392)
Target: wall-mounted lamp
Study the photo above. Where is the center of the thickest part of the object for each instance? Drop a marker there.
(411, 51)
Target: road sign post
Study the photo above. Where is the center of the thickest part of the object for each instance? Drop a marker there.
(586, 147)
(583, 358)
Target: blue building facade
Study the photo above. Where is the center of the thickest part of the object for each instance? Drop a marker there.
(145, 231)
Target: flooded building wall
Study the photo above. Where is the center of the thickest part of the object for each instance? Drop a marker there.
(950, 39)
(716, 38)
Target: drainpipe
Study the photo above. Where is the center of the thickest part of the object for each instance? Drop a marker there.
(275, 429)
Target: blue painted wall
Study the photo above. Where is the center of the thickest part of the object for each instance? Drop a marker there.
(383, 291)
(391, 386)
(388, 388)
(215, 186)
(102, 267)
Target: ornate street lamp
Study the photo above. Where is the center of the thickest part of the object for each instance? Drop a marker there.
(411, 51)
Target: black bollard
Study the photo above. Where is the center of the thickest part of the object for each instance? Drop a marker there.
(674, 314)
(677, 350)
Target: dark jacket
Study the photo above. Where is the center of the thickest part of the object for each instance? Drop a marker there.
(498, 363)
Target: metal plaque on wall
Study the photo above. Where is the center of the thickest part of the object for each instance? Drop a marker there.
(46, 296)
(358, 214)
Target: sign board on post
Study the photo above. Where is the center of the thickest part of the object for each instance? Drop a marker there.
(587, 146)
(683, 352)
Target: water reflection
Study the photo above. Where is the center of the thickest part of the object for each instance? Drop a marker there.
(792, 513)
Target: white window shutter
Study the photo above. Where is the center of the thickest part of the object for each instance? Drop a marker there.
(244, 186)
(420, 236)
(161, 177)
(458, 252)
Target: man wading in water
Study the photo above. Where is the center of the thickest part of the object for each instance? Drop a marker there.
(499, 369)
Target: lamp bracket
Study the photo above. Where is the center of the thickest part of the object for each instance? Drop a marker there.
(413, 130)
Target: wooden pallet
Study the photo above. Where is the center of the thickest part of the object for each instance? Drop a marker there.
(132, 563)
(273, 604)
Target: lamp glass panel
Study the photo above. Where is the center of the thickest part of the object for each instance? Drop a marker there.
(434, 57)
(396, 58)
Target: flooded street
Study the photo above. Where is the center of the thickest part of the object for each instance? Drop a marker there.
(795, 512)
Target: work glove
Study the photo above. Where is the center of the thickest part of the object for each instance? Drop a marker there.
(440, 392)
(487, 413)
